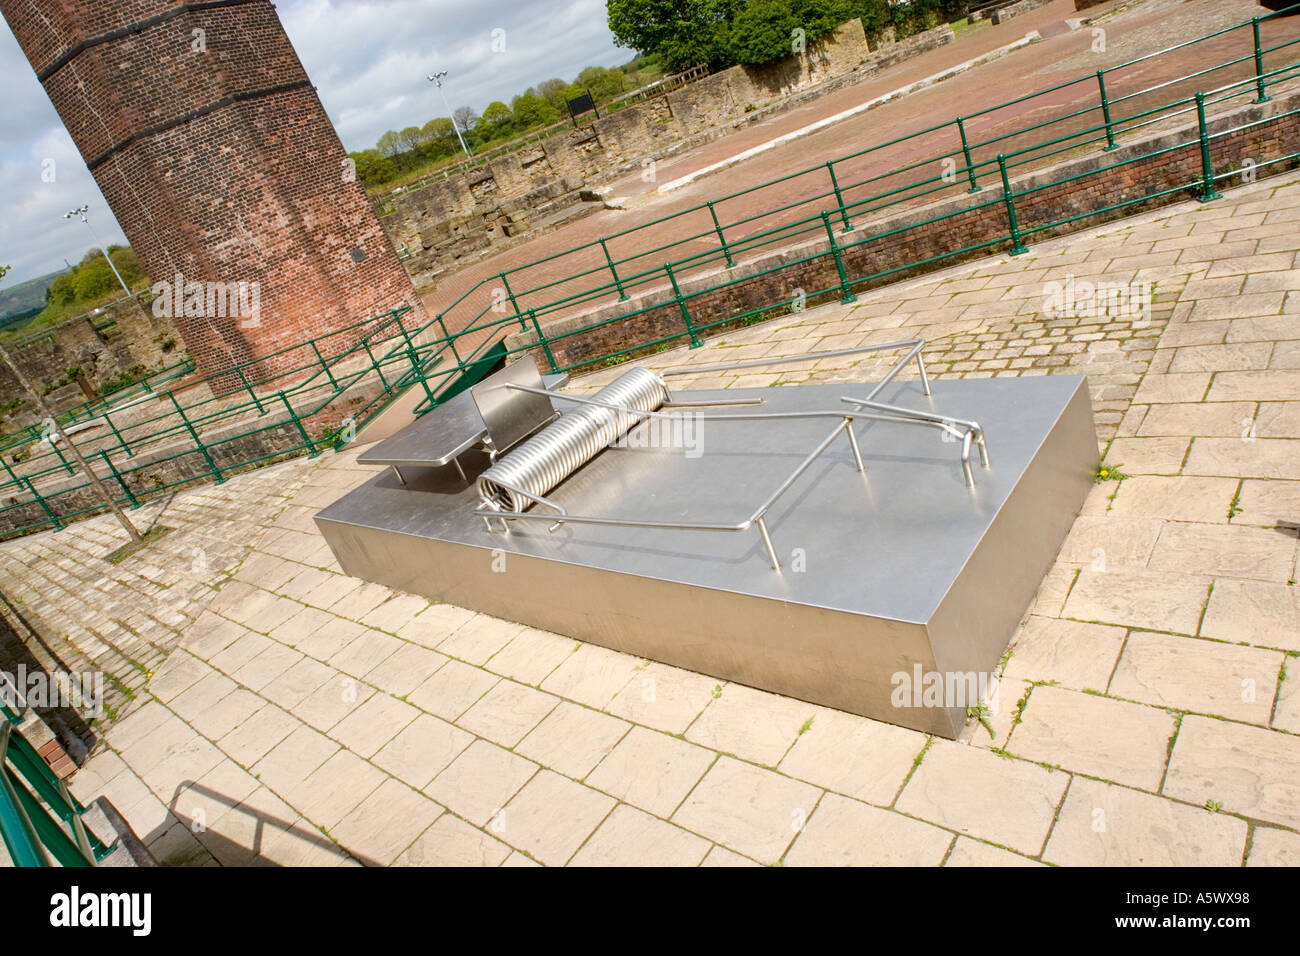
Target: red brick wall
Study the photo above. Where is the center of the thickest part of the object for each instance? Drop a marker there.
(219, 164)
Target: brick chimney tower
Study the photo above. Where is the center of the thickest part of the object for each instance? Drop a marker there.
(211, 146)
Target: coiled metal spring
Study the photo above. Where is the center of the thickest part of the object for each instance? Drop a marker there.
(564, 446)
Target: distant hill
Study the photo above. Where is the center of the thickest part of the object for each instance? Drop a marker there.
(24, 301)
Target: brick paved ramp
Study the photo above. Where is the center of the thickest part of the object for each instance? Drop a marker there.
(300, 716)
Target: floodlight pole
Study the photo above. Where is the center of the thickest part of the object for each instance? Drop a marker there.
(80, 213)
(437, 80)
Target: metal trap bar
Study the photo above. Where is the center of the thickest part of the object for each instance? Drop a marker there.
(524, 476)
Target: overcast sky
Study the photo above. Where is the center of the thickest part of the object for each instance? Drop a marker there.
(368, 59)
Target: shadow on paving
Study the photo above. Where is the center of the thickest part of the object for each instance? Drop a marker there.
(241, 835)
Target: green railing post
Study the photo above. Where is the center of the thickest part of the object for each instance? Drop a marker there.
(406, 336)
(388, 389)
(293, 417)
(58, 451)
(513, 304)
(609, 261)
(198, 442)
(1105, 110)
(320, 358)
(681, 304)
(417, 371)
(114, 472)
(45, 506)
(1259, 64)
(447, 336)
(965, 151)
(1208, 191)
(846, 290)
(1017, 246)
(839, 197)
(545, 342)
(722, 240)
(118, 435)
(239, 370)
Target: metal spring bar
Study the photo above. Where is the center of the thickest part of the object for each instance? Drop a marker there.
(969, 431)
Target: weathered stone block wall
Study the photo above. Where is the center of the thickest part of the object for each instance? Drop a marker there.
(121, 336)
(1016, 9)
(424, 218)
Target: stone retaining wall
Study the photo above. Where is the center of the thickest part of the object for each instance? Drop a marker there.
(449, 221)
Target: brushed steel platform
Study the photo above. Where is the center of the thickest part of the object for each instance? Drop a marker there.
(901, 567)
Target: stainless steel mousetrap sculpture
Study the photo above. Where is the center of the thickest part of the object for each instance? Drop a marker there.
(882, 552)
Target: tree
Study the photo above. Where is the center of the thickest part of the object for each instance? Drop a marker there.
(465, 118)
(388, 144)
(603, 84)
(822, 17)
(94, 280)
(530, 111)
(61, 291)
(411, 138)
(496, 114)
(914, 16)
(875, 16)
(373, 167)
(763, 32)
(950, 10)
(681, 32)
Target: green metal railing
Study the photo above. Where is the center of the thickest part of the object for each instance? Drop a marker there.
(39, 818)
(206, 428)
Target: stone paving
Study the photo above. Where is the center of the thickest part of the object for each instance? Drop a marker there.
(287, 714)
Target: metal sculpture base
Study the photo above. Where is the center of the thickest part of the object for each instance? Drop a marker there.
(892, 580)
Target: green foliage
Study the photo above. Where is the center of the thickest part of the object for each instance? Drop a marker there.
(530, 110)
(89, 284)
(763, 32)
(913, 17)
(123, 379)
(681, 33)
(875, 15)
(373, 166)
(496, 114)
(388, 144)
(604, 84)
(822, 17)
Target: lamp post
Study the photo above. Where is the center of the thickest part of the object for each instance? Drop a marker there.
(436, 79)
(80, 213)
